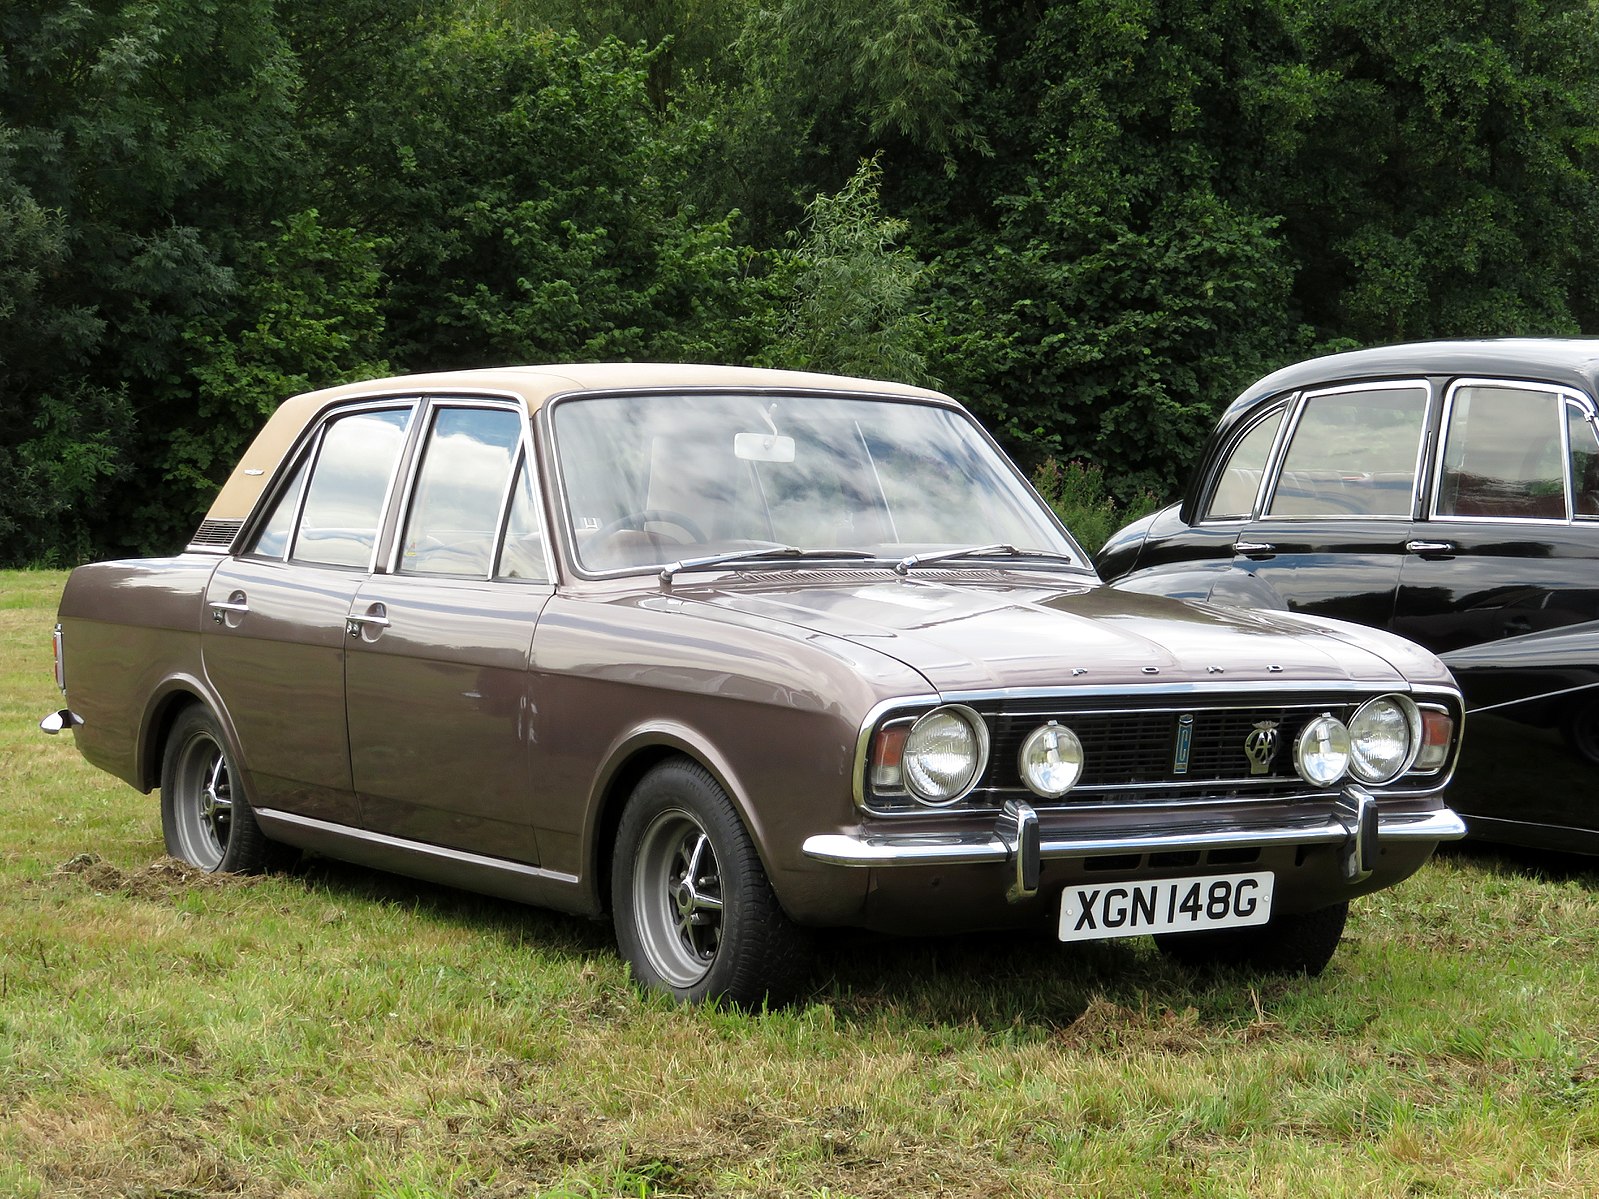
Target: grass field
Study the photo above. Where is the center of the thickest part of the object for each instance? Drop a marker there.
(337, 1032)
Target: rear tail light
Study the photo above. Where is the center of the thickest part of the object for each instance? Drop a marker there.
(1437, 732)
(61, 662)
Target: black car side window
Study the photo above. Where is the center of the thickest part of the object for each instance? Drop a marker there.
(1238, 480)
(1353, 453)
(1584, 442)
(1503, 454)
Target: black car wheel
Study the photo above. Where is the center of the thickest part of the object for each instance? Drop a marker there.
(1581, 729)
(205, 818)
(695, 915)
(1290, 944)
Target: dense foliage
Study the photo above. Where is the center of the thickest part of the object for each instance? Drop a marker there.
(1093, 222)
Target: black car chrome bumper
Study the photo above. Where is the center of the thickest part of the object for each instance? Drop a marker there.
(1355, 823)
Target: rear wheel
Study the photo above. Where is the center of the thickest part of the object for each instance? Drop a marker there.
(695, 915)
(1581, 729)
(205, 818)
(1302, 943)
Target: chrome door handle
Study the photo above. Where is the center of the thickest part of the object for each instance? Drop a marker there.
(1430, 547)
(376, 617)
(1250, 548)
(234, 605)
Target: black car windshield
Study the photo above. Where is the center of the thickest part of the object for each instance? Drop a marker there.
(653, 479)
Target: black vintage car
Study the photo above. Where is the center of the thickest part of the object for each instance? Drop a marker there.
(1448, 491)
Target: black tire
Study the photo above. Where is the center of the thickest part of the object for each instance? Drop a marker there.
(695, 915)
(1296, 944)
(205, 817)
(1580, 728)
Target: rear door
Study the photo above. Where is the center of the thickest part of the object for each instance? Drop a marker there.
(1508, 549)
(439, 698)
(274, 646)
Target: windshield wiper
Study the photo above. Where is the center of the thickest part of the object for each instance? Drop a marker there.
(786, 552)
(903, 566)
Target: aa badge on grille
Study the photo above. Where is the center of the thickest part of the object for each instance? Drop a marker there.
(1260, 747)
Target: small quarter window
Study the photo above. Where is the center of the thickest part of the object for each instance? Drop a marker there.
(1353, 453)
(1502, 455)
(1584, 443)
(522, 553)
(273, 540)
(339, 524)
(460, 492)
(1238, 482)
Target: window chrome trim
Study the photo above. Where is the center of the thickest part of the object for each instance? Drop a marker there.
(1285, 443)
(1563, 397)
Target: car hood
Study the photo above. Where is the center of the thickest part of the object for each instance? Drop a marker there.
(985, 634)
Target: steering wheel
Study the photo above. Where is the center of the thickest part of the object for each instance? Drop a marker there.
(636, 521)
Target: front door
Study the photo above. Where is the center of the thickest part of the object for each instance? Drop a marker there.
(440, 700)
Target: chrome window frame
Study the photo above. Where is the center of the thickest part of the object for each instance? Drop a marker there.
(1585, 409)
(1564, 396)
(1282, 412)
(1290, 430)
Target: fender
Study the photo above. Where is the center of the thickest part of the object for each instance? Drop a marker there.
(1216, 583)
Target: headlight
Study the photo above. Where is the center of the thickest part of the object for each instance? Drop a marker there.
(1322, 751)
(1051, 760)
(1383, 735)
(944, 753)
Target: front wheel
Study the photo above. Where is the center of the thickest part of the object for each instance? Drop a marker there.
(205, 818)
(1302, 943)
(695, 915)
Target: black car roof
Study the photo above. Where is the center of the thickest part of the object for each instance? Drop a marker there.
(1570, 361)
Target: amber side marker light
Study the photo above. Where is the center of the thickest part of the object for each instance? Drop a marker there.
(1437, 731)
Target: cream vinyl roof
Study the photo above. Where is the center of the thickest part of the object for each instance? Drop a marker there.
(533, 385)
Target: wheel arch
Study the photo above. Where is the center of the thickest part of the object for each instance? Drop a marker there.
(628, 764)
(166, 704)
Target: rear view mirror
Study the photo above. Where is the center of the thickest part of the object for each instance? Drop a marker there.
(763, 447)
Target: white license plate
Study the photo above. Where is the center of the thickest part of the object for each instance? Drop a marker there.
(1093, 911)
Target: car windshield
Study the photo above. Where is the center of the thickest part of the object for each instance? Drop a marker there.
(657, 479)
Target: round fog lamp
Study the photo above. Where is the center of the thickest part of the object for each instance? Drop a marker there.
(1051, 760)
(1322, 751)
(1382, 734)
(943, 754)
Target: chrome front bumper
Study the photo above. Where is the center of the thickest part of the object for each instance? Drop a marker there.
(1355, 823)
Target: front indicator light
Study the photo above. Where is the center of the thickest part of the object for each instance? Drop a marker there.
(1051, 760)
(1437, 731)
(1322, 751)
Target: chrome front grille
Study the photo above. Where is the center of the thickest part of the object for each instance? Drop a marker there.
(1134, 753)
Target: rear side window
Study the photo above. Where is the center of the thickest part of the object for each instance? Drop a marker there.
(1238, 482)
(1584, 442)
(1503, 455)
(344, 500)
(1353, 453)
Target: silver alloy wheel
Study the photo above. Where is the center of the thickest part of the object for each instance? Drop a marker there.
(203, 806)
(677, 897)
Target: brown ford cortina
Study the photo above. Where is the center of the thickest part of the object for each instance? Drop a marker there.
(733, 656)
